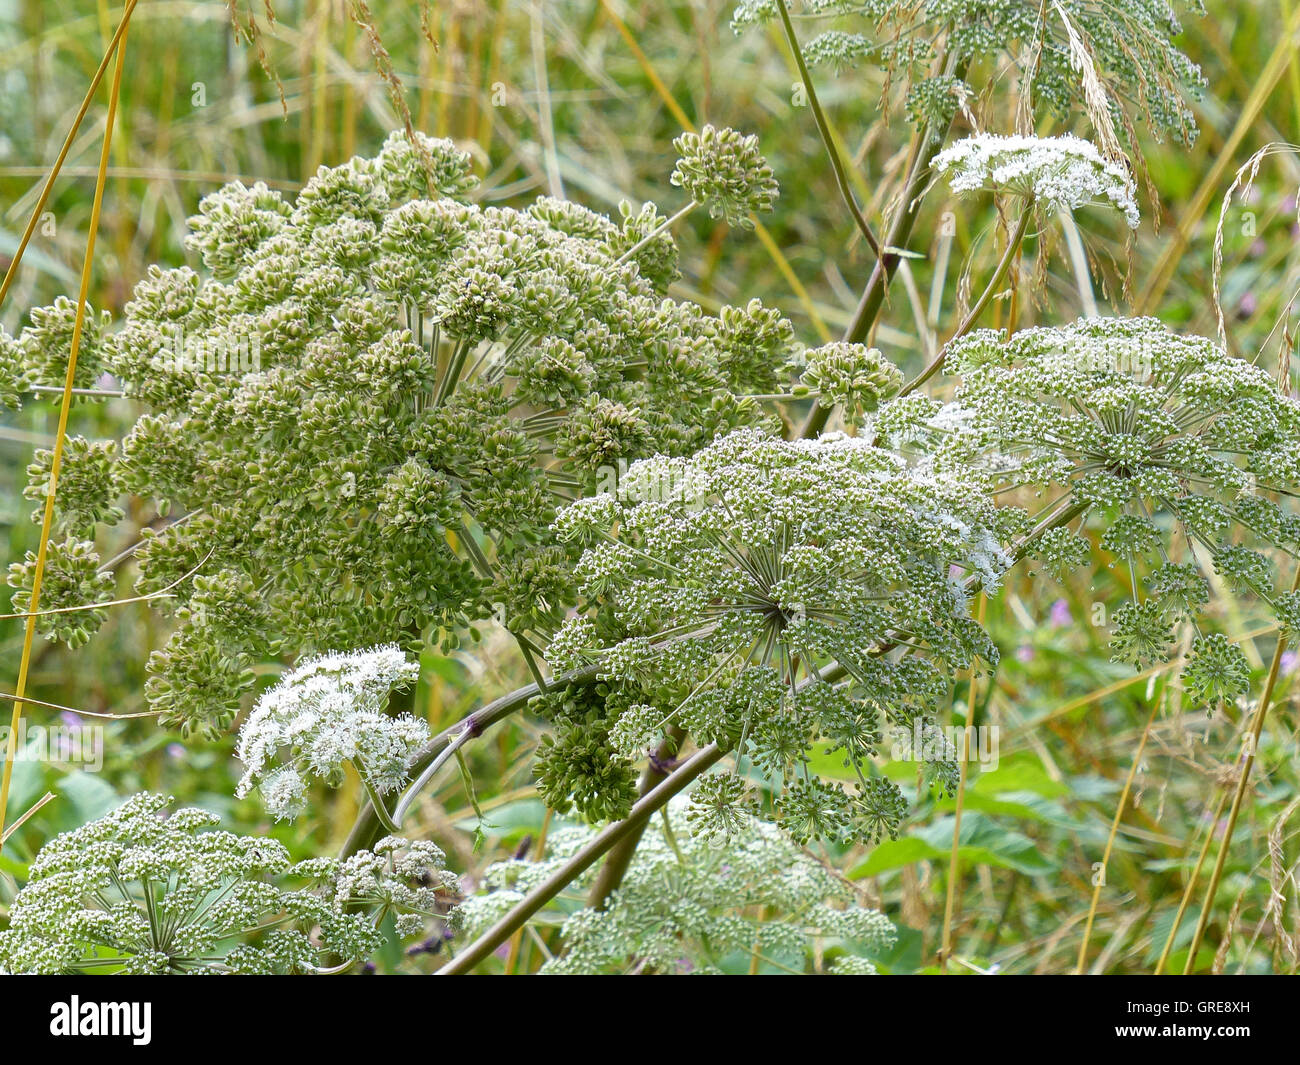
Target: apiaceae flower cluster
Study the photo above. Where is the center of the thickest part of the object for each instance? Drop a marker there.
(327, 713)
(1128, 43)
(386, 413)
(362, 421)
(148, 890)
(1063, 172)
(853, 377)
(718, 611)
(725, 171)
(1177, 453)
(686, 905)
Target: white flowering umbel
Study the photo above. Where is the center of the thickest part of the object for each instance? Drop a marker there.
(721, 587)
(1064, 172)
(1166, 443)
(328, 712)
(689, 906)
(138, 891)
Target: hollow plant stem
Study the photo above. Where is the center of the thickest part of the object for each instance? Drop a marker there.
(615, 868)
(584, 859)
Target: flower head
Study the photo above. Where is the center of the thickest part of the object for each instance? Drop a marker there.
(725, 171)
(1063, 172)
(72, 578)
(853, 376)
(1165, 439)
(145, 889)
(686, 901)
(329, 711)
(379, 380)
(726, 583)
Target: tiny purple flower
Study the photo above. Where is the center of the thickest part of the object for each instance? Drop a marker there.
(1061, 615)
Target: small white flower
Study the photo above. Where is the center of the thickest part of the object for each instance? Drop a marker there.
(329, 711)
(1064, 172)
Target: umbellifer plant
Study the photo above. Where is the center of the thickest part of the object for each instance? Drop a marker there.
(385, 420)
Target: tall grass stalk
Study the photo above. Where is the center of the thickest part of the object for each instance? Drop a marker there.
(1243, 781)
(1099, 881)
(47, 520)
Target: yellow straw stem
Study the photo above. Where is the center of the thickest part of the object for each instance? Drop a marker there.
(44, 197)
(29, 633)
(1191, 883)
(1252, 745)
(1099, 882)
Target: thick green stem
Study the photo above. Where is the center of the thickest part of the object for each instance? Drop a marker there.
(615, 868)
(365, 829)
(584, 859)
(925, 147)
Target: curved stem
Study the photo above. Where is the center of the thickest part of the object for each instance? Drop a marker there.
(823, 128)
(431, 770)
(377, 804)
(1004, 264)
(583, 860)
(364, 829)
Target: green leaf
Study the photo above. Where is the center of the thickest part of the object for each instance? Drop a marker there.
(89, 795)
(1020, 772)
(983, 842)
